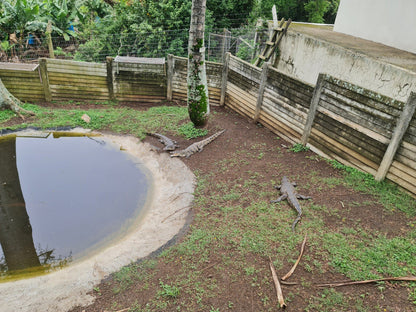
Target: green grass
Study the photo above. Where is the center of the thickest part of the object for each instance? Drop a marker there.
(297, 148)
(189, 131)
(388, 193)
(119, 120)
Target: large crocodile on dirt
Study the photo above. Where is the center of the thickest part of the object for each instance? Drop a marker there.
(287, 189)
(196, 147)
(170, 145)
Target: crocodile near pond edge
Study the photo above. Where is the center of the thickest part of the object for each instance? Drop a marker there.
(170, 145)
(287, 189)
(196, 147)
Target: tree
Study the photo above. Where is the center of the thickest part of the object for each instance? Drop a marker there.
(8, 101)
(316, 10)
(231, 13)
(198, 105)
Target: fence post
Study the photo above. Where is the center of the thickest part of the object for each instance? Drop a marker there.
(312, 108)
(169, 82)
(224, 79)
(262, 85)
(401, 128)
(48, 33)
(225, 44)
(110, 86)
(45, 79)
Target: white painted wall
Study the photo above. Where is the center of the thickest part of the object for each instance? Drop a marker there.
(304, 57)
(391, 22)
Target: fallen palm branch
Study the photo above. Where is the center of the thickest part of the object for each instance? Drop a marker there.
(279, 292)
(302, 248)
(338, 284)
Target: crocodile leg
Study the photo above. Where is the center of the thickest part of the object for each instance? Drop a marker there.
(283, 197)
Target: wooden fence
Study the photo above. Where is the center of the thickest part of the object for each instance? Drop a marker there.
(355, 126)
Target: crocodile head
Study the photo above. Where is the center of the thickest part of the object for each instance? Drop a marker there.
(177, 154)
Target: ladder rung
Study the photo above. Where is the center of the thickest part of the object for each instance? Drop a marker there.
(278, 29)
(270, 43)
(262, 57)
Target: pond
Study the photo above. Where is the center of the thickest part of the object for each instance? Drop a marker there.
(62, 197)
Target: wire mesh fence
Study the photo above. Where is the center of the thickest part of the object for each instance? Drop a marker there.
(159, 43)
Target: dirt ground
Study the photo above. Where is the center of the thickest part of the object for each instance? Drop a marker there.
(273, 160)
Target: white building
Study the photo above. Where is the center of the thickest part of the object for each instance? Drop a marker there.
(391, 22)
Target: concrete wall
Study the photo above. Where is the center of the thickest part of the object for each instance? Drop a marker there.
(389, 22)
(304, 57)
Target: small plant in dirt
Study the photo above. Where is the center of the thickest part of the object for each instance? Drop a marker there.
(297, 148)
(168, 291)
(189, 131)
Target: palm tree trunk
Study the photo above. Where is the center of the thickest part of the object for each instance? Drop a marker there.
(198, 103)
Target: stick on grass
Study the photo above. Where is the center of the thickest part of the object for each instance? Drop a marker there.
(338, 284)
(279, 292)
(288, 274)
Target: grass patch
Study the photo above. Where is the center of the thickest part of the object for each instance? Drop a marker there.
(119, 120)
(189, 131)
(388, 193)
(297, 148)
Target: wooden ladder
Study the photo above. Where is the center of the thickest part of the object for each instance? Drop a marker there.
(274, 41)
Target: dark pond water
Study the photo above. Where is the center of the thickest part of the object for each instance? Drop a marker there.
(61, 197)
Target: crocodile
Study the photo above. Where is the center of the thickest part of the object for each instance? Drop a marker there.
(196, 147)
(170, 144)
(287, 189)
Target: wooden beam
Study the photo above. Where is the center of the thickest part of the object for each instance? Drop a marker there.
(110, 86)
(45, 79)
(263, 82)
(312, 108)
(399, 131)
(171, 63)
(224, 80)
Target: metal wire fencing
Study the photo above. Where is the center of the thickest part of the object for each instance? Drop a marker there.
(94, 48)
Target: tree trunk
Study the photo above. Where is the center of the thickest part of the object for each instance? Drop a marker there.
(198, 103)
(8, 101)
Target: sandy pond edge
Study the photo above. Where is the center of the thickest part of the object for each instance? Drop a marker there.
(167, 211)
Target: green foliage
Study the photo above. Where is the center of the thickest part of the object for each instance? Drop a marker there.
(316, 9)
(293, 9)
(296, 148)
(189, 131)
(169, 291)
(231, 13)
(144, 28)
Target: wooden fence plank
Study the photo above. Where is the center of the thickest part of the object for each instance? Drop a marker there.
(402, 125)
(313, 108)
(224, 80)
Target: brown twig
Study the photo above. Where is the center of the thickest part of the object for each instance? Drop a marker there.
(163, 221)
(338, 284)
(279, 292)
(302, 248)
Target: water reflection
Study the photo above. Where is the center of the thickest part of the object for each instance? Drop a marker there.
(76, 193)
(15, 229)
